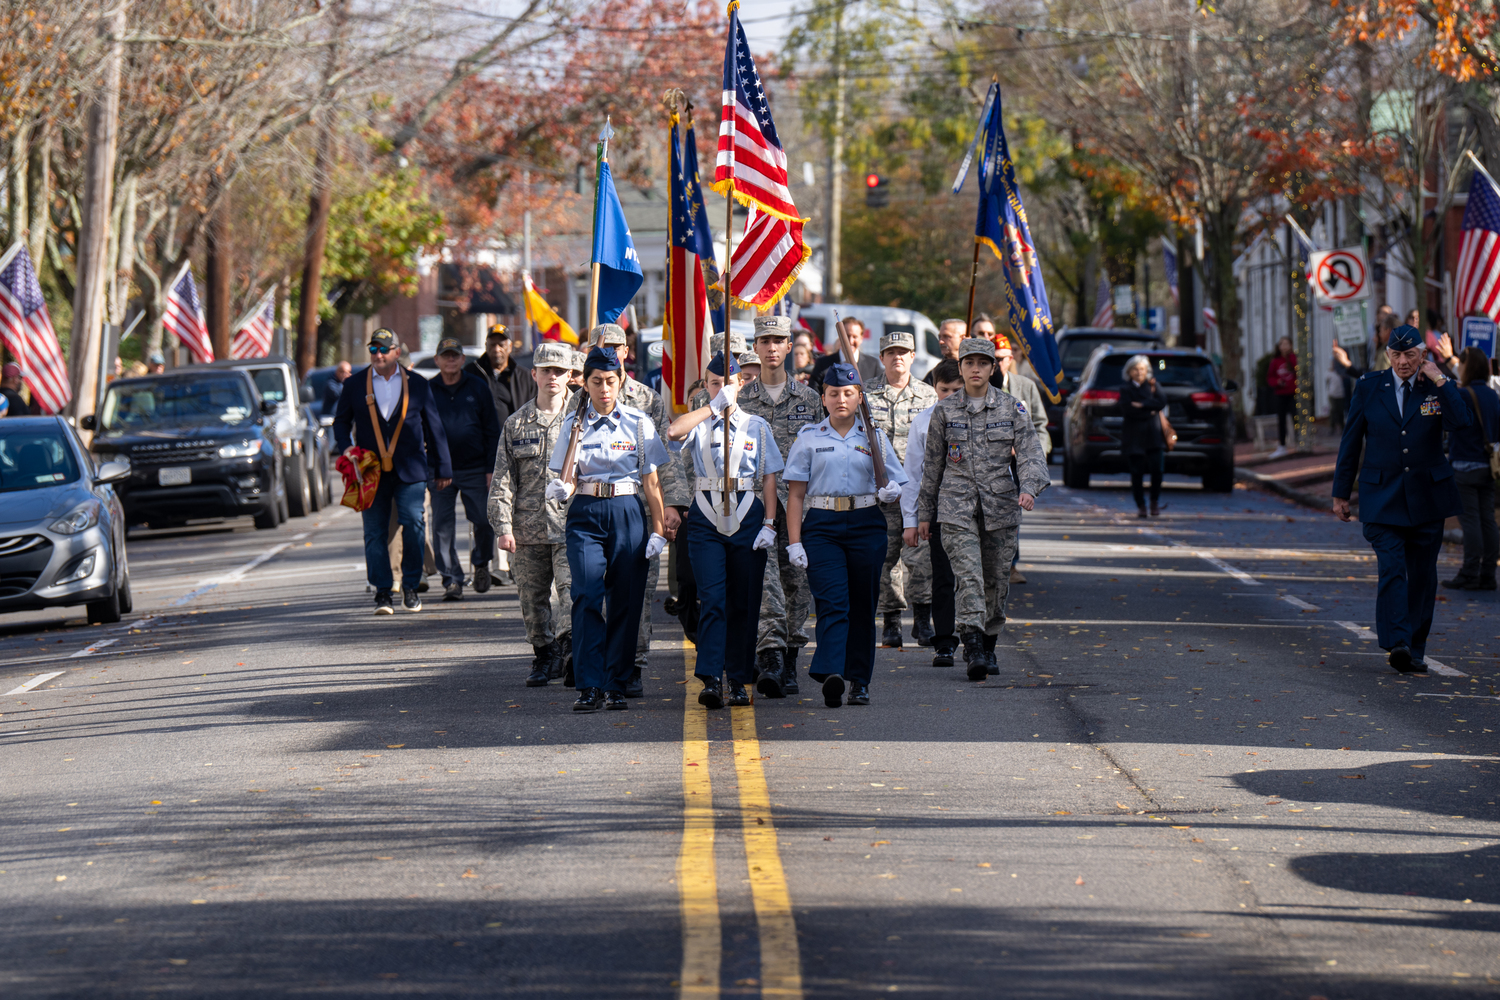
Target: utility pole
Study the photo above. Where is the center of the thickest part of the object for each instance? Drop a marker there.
(93, 230)
(833, 287)
(526, 253)
(219, 265)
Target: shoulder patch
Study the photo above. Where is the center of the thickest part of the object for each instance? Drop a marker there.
(1020, 408)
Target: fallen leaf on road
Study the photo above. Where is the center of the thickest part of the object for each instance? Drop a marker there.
(394, 746)
(1078, 881)
(1359, 777)
(468, 873)
(1419, 766)
(1196, 934)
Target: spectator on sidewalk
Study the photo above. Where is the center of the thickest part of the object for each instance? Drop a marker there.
(1336, 385)
(1469, 452)
(334, 386)
(1384, 324)
(1282, 378)
(10, 388)
(473, 436)
(1145, 449)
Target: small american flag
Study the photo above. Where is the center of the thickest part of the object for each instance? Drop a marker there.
(1478, 280)
(1104, 305)
(184, 317)
(1169, 262)
(253, 338)
(27, 332)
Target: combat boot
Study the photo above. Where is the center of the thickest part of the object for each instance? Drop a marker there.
(768, 682)
(789, 670)
(921, 624)
(891, 637)
(974, 656)
(633, 687)
(562, 659)
(992, 665)
(541, 665)
(942, 650)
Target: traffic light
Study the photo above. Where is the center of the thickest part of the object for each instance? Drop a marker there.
(876, 193)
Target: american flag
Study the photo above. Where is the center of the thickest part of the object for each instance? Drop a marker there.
(253, 338)
(1477, 283)
(1104, 306)
(688, 323)
(184, 317)
(766, 259)
(27, 332)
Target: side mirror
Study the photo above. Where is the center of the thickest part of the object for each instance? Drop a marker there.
(305, 393)
(88, 422)
(268, 406)
(114, 470)
(1230, 385)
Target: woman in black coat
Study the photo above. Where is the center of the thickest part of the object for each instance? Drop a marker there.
(1141, 404)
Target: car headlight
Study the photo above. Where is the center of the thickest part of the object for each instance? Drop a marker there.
(81, 518)
(286, 446)
(243, 450)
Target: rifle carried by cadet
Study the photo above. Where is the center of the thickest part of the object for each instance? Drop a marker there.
(851, 355)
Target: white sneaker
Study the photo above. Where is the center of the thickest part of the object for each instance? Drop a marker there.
(1280, 452)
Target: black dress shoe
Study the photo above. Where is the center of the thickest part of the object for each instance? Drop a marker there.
(633, 687)
(589, 700)
(1485, 584)
(1401, 660)
(1418, 666)
(614, 701)
(737, 694)
(859, 694)
(711, 696)
(789, 671)
(671, 607)
(833, 691)
(768, 682)
(942, 655)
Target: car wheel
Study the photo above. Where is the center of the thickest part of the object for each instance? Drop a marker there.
(298, 489)
(1220, 480)
(1074, 478)
(127, 600)
(107, 611)
(317, 485)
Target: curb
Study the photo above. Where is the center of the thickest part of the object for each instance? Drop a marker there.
(1452, 535)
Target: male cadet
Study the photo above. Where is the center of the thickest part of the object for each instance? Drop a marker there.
(788, 406)
(675, 494)
(1406, 487)
(1025, 390)
(950, 335)
(967, 487)
(530, 525)
(894, 399)
(473, 435)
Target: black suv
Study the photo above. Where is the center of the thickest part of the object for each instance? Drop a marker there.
(1197, 407)
(200, 446)
(1074, 347)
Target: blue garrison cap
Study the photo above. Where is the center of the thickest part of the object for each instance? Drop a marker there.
(603, 359)
(1404, 338)
(841, 373)
(716, 366)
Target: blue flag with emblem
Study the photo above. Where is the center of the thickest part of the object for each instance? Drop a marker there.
(1002, 227)
(620, 275)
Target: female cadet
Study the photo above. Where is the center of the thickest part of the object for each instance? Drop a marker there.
(616, 461)
(841, 542)
(728, 552)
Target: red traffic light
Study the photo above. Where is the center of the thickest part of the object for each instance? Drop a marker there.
(872, 180)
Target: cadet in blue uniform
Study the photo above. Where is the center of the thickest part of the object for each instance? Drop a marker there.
(841, 540)
(616, 462)
(728, 553)
(1406, 487)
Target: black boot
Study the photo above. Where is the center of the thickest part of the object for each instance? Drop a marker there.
(633, 687)
(789, 670)
(921, 624)
(974, 658)
(768, 682)
(992, 665)
(712, 695)
(942, 650)
(566, 656)
(891, 637)
(562, 658)
(541, 665)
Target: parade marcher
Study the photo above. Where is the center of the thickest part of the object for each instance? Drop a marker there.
(840, 539)
(728, 551)
(609, 540)
(1009, 379)
(1140, 432)
(528, 523)
(1469, 451)
(1406, 487)
(749, 367)
(968, 487)
(334, 386)
(788, 406)
(895, 398)
(395, 417)
(869, 365)
(473, 436)
(509, 383)
(947, 380)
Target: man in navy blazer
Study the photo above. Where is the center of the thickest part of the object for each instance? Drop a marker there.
(417, 451)
(1406, 487)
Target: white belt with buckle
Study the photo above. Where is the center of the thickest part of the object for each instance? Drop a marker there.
(716, 483)
(608, 489)
(841, 503)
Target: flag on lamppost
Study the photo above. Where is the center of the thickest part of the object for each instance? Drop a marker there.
(26, 330)
(252, 338)
(1477, 283)
(184, 316)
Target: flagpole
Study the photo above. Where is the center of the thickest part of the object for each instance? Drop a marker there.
(974, 270)
(973, 279)
(601, 157)
(728, 312)
(1480, 167)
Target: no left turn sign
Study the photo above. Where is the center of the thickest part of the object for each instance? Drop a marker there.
(1340, 275)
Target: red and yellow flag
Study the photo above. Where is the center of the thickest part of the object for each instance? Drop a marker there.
(545, 318)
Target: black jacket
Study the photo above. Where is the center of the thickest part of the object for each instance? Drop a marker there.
(472, 430)
(511, 389)
(421, 451)
(1142, 430)
(870, 369)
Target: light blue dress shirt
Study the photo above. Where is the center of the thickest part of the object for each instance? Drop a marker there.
(607, 448)
(835, 465)
(758, 457)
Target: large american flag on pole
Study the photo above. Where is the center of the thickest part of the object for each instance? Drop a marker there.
(1477, 283)
(253, 337)
(184, 316)
(688, 320)
(27, 332)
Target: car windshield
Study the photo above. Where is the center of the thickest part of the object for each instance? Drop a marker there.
(1187, 371)
(1076, 351)
(271, 383)
(32, 458)
(171, 402)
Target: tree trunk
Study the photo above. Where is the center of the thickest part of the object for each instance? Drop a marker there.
(19, 160)
(124, 258)
(39, 194)
(319, 205)
(1222, 292)
(219, 265)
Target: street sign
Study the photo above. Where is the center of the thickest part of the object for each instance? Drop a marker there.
(1350, 324)
(1340, 275)
(1479, 331)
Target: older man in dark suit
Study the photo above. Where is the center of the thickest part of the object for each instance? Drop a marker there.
(1406, 487)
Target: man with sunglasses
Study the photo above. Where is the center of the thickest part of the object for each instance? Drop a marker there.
(383, 410)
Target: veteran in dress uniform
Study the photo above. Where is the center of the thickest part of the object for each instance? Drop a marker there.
(1406, 487)
(840, 541)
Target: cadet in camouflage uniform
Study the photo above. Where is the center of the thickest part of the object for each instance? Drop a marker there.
(529, 524)
(907, 573)
(788, 406)
(968, 488)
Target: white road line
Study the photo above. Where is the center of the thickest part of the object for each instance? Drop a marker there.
(1437, 694)
(1177, 624)
(1299, 603)
(1434, 666)
(1359, 630)
(234, 576)
(93, 648)
(1224, 567)
(298, 538)
(34, 682)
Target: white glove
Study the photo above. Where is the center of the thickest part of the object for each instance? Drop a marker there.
(797, 555)
(558, 490)
(888, 492)
(721, 402)
(654, 545)
(766, 538)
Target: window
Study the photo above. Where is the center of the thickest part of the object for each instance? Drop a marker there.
(34, 458)
(180, 402)
(1169, 370)
(271, 383)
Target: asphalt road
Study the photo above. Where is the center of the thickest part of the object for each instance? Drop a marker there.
(1194, 776)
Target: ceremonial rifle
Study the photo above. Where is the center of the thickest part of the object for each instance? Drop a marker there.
(851, 355)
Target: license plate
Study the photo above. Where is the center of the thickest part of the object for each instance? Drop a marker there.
(175, 476)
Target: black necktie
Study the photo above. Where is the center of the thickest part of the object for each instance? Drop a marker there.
(1402, 394)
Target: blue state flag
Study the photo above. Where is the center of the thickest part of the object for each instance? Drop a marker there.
(620, 274)
(1002, 227)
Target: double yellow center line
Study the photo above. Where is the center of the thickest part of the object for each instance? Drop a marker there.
(697, 884)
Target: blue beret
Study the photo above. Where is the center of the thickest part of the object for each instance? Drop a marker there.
(841, 373)
(1404, 338)
(716, 366)
(603, 359)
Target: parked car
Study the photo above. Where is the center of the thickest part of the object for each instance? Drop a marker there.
(1197, 407)
(305, 445)
(201, 444)
(879, 320)
(62, 528)
(1075, 345)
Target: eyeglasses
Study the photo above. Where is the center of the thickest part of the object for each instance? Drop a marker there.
(377, 349)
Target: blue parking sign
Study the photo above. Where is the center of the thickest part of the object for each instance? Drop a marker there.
(1479, 331)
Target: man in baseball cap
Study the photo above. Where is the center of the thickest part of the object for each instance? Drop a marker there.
(473, 435)
(10, 390)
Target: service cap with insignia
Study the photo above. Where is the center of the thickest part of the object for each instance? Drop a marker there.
(1404, 338)
(841, 373)
(602, 359)
(773, 326)
(901, 339)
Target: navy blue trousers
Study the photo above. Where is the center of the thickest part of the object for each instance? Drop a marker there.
(730, 574)
(407, 498)
(1407, 558)
(845, 553)
(606, 556)
(468, 485)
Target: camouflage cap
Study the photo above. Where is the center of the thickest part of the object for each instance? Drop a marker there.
(773, 326)
(737, 343)
(749, 358)
(902, 339)
(607, 335)
(578, 360)
(551, 354)
(976, 345)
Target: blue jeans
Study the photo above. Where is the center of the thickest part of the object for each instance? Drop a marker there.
(377, 519)
(730, 574)
(468, 484)
(845, 550)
